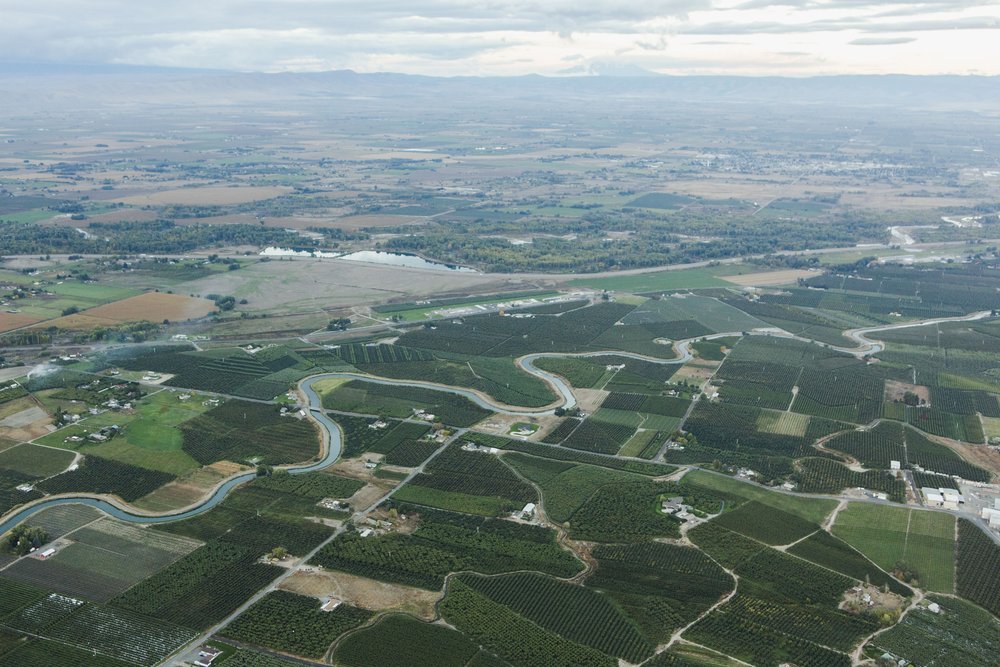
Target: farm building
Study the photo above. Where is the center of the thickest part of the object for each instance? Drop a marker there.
(528, 512)
(947, 498)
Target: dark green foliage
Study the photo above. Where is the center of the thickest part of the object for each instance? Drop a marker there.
(766, 524)
(625, 512)
(357, 354)
(493, 335)
(658, 405)
(816, 475)
(512, 637)
(725, 546)
(824, 549)
(562, 431)
(45, 653)
(261, 534)
(246, 658)
(315, 485)
(789, 578)
(874, 448)
(925, 479)
(448, 542)
(978, 561)
(359, 438)
(598, 436)
(398, 401)
(561, 454)
(237, 430)
(100, 475)
(661, 586)
(37, 617)
(922, 451)
(203, 587)
(411, 453)
(15, 595)
(294, 624)
(960, 635)
(474, 473)
(398, 639)
(568, 610)
(120, 634)
(10, 497)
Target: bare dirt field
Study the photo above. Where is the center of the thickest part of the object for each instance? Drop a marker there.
(590, 399)
(307, 285)
(151, 306)
(789, 276)
(28, 424)
(896, 390)
(10, 321)
(208, 196)
(361, 592)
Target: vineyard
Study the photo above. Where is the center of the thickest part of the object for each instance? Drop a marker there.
(923, 540)
(357, 354)
(766, 524)
(568, 610)
(399, 638)
(465, 477)
(100, 475)
(815, 475)
(561, 454)
(398, 401)
(599, 436)
(978, 561)
(447, 542)
(314, 485)
(201, 588)
(294, 624)
(411, 453)
(661, 586)
(960, 635)
(569, 488)
(512, 637)
(824, 549)
(625, 512)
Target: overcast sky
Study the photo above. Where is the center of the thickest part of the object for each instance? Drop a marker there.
(505, 37)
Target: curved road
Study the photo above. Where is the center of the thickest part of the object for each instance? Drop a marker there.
(333, 438)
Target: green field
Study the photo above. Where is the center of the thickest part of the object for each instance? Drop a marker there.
(923, 540)
(35, 461)
(660, 280)
(811, 509)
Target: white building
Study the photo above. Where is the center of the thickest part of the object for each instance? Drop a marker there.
(528, 512)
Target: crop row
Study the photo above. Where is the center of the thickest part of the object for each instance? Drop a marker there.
(568, 610)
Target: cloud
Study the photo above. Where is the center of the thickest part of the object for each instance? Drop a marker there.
(496, 36)
(881, 41)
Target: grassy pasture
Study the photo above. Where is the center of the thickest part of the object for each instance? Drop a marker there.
(35, 461)
(658, 280)
(811, 509)
(782, 423)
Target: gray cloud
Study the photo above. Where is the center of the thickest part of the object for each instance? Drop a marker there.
(433, 35)
(881, 41)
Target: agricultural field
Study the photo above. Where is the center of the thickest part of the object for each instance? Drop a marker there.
(466, 481)
(294, 624)
(444, 542)
(922, 542)
(398, 637)
(102, 560)
(371, 398)
(150, 306)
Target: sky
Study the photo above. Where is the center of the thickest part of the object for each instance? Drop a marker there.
(513, 37)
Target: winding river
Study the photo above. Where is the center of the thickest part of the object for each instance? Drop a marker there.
(333, 438)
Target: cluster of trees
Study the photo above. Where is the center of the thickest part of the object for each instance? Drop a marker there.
(24, 538)
(158, 236)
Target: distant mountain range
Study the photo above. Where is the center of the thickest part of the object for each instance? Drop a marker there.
(32, 85)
